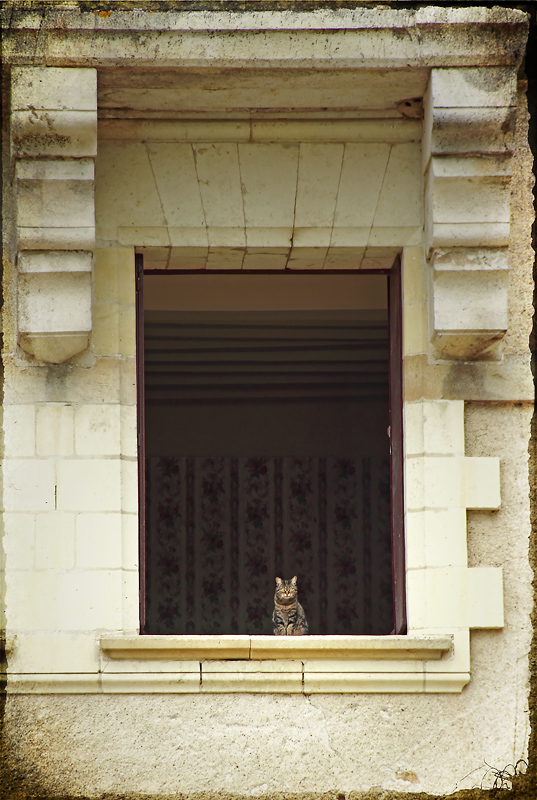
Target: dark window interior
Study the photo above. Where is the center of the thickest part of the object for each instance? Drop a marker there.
(266, 451)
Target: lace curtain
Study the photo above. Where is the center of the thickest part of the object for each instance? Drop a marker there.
(220, 529)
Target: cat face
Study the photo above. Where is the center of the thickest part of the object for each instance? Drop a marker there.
(286, 590)
(293, 581)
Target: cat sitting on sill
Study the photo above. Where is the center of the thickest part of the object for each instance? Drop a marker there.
(289, 618)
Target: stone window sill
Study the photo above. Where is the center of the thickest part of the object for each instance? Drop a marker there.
(132, 664)
(268, 664)
(261, 648)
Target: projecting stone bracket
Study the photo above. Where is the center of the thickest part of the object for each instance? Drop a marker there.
(54, 306)
(467, 149)
(53, 348)
(54, 115)
(469, 301)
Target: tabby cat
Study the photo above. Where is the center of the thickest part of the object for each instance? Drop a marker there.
(288, 617)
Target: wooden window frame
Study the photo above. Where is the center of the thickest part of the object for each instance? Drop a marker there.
(395, 337)
(395, 334)
(140, 432)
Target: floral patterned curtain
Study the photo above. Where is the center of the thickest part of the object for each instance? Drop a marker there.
(219, 530)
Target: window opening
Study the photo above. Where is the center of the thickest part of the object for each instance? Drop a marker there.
(266, 451)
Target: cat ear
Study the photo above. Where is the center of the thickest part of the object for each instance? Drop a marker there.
(293, 579)
(279, 581)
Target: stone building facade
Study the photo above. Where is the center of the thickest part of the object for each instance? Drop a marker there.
(354, 143)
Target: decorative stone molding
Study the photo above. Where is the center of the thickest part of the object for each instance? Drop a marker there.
(54, 114)
(222, 677)
(261, 664)
(467, 147)
(55, 209)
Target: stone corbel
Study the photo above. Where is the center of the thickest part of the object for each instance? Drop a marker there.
(469, 301)
(467, 147)
(54, 295)
(55, 143)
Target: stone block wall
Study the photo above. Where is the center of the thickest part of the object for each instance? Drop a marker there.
(71, 496)
(150, 724)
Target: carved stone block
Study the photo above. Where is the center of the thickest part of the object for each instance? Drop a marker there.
(54, 314)
(469, 301)
(54, 118)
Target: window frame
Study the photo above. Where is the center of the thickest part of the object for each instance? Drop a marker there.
(395, 334)
(395, 340)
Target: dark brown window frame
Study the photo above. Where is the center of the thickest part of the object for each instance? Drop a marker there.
(395, 335)
(140, 431)
(396, 423)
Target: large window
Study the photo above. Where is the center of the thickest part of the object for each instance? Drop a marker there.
(267, 450)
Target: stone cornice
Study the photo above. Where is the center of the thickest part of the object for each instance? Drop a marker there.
(343, 38)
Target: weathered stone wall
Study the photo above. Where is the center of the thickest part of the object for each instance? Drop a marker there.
(71, 534)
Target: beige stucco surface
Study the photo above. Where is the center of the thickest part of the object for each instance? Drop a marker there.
(252, 744)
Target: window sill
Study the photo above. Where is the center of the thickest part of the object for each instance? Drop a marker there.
(269, 664)
(261, 648)
(132, 664)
